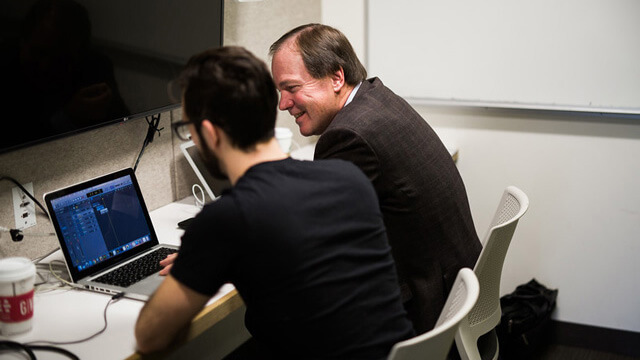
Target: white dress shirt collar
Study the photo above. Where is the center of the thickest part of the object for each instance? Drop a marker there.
(353, 94)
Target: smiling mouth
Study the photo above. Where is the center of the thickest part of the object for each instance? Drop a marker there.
(296, 116)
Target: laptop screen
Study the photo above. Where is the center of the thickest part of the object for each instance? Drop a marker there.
(100, 220)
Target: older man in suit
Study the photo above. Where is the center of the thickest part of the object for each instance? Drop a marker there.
(421, 194)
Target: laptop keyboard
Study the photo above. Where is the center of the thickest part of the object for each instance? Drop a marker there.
(136, 270)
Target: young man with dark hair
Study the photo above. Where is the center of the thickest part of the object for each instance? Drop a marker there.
(303, 242)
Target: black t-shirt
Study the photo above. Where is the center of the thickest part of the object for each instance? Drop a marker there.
(305, 246)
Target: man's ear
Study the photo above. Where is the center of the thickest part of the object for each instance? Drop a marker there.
(337, 80)
(210, 134)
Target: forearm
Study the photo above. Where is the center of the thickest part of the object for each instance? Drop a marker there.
(168, 312)
(150, 335)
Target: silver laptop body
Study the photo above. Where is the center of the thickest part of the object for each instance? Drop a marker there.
(103, 224)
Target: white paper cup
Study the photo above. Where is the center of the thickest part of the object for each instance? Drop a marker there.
(17, 276)
(284, 137)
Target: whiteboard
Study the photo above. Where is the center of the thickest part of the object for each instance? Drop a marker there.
(576, 55)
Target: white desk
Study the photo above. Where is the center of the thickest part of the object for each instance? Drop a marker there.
(67, 315)
(306, 152)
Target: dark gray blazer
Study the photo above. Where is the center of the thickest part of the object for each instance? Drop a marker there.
(421, 194)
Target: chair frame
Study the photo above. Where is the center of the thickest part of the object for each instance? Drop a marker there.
(436, 343)
(486, 313)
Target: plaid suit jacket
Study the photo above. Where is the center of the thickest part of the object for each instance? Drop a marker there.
(420, 191)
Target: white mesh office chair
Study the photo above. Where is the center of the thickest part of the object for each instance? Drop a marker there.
(485, 315)
(436, 343)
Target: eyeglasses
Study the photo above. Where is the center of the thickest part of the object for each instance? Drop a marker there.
(181, 129)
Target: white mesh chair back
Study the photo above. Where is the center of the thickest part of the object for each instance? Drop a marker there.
(486, 314)
(436, 343)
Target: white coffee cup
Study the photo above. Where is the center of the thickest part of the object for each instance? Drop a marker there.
(17, 276)
(285, 138)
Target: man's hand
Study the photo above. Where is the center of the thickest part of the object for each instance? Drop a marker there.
(167, 263)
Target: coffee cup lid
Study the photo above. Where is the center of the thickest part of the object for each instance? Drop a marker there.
(16, 268)
(283, 131)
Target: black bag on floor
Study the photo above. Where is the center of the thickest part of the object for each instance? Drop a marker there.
(524, 328)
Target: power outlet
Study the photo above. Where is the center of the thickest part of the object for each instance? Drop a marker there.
(24, 209)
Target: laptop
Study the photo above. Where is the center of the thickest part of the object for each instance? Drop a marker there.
(212, 186)
(105, 233)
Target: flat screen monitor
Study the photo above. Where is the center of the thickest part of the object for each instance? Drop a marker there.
(73, 65)
(212, 186)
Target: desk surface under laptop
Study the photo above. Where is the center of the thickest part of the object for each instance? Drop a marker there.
(65, 315)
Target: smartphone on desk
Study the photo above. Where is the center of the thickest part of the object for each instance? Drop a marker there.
(185, 223)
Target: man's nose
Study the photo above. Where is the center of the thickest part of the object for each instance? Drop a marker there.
(285, 102)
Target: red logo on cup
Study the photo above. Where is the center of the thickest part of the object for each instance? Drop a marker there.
(16, 308)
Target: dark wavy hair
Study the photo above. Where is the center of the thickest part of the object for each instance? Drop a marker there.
(234, 90)
(324, 51)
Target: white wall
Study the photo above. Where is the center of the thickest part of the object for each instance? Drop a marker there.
(580, 234)
(347, 17)
(581, 172)
(257, 25)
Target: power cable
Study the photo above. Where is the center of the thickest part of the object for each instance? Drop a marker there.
(43, 345)
(152, 128)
